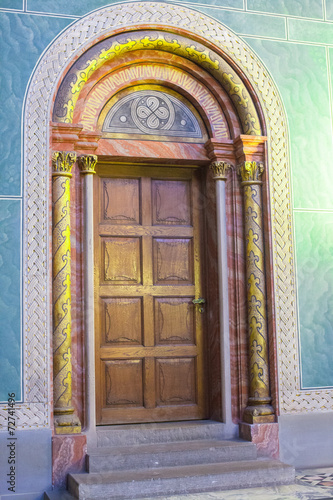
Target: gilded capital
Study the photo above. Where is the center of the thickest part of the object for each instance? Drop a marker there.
(220, 169)
(62, 162)
(87, 164)
(251, 172)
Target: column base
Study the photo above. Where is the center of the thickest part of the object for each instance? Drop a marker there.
(253, 418)
(258, 411)
(67, 424)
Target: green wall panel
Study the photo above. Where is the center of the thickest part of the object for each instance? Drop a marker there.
(330, 57)
(249, 24)
(22, 40)
(300, 72)
(329, 10)
(10, 298)
(77, 8)
(234, 4)
(11, 4)
(314, 252)
(301, 8)
(310, 31)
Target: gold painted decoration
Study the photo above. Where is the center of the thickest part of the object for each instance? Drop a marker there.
(121, 44)
(259, 408)
(87, 164)
(251, 172)
(65, 420)
(62, 162)
(220, 169)
(236, 89)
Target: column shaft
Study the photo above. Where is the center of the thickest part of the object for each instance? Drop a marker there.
(259, 408)
(87, 165)
(65, 420)
(220, 169)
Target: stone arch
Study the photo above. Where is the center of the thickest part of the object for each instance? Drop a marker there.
(56, 61)
(167, 41)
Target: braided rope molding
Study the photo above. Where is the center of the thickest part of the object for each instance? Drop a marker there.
(36, 317)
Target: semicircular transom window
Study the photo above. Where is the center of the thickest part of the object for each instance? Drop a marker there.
(154, 115)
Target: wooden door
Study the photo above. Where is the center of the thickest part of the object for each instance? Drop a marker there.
(149, 334)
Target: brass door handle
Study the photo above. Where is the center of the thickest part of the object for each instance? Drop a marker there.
(198, 302)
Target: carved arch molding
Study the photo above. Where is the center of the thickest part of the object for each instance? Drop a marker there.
(256, 104)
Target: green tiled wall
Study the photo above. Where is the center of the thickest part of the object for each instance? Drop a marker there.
(300, 72)
(314, 251)
(294, 39)
(310, 31)
(12, 4)
(249, 24)
(329, 10)
(22, 40)
(303, 8)
(10, 298)
(65, 7)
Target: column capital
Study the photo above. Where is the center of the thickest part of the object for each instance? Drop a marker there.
(220, 169)
(87, 164)
(250, 172)
(62, 162)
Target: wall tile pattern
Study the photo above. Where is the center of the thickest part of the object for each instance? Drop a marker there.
(304, 8)
(10, 298)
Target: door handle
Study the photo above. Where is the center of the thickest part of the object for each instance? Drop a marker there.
(198, 302)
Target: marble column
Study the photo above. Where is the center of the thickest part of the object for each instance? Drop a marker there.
(219, 169)
(259, 409)
(65, 421)
(87, 164)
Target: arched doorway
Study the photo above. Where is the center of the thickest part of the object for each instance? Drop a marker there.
(210, 56)
(163, 99)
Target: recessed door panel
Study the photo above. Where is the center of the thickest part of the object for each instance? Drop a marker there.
(174, 320)
(121, 321)
(122, 260)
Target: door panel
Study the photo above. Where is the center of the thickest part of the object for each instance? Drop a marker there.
(149, 334)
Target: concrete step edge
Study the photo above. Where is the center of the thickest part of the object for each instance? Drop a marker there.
(192, 479)
(122, 435)
(197, 444)
(182, 471)
(168, 457)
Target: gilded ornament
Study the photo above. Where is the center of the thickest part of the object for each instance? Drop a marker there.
(220, 169)
(87, 164)
(202, 56)
(62, 162)
(235, 89)
(251, 172)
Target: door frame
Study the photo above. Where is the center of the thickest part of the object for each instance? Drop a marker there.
(221, 318)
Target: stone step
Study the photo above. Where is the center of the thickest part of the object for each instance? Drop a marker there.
(126, 435)
(179, 480)
(58, 495)
(168, 454)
